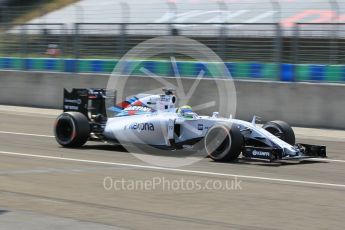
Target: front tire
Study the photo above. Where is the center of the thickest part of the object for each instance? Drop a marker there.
(282, 130)
(72, 129)
(223, 142)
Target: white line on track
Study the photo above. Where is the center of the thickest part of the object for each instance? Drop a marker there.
(206, 173)
(28, 115)
(326, 159)
(28, 110)
(25, 134)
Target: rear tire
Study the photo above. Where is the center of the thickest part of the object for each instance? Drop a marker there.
(223, 142)
(72, 129)
(282, 130)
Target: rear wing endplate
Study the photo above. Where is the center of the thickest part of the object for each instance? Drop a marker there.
(86, 101)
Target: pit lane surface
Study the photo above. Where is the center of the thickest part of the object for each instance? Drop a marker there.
(44, 186)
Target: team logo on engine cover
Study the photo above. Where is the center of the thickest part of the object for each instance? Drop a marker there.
(138, 108)
(142, 126)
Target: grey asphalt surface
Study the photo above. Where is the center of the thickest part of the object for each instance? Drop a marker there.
(46, 193)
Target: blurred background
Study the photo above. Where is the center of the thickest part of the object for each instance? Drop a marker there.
(286, 40)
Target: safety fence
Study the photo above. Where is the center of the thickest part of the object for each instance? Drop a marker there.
(312, 51)
(319, 43)
(231, 41)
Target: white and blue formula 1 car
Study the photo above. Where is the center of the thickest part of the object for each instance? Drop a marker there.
(155, 121)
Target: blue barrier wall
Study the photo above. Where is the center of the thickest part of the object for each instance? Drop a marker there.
(238, 70)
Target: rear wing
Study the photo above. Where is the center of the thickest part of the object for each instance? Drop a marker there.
(89, 102)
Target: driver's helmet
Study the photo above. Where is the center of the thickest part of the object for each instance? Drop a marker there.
(185, 110)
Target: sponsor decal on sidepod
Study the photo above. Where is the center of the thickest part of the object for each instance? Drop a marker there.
(142, 126)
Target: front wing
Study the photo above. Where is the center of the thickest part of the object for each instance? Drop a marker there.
(276, 154)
